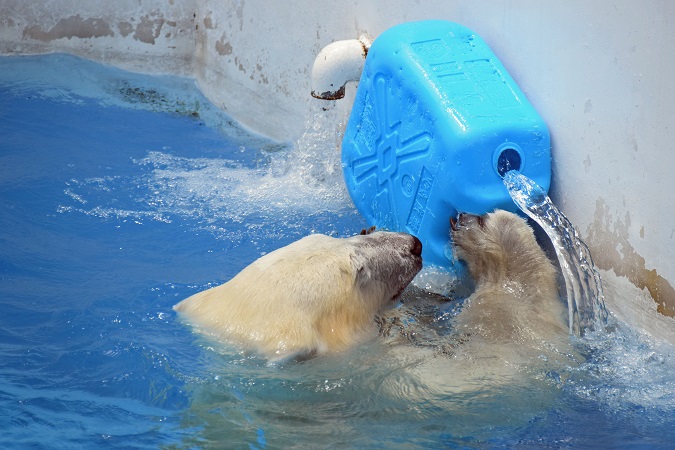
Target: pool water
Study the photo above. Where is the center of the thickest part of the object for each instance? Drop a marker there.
(122, 194)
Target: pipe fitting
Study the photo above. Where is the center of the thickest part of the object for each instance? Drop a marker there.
(337, 64)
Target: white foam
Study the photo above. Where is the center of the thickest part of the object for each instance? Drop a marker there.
(630, 365)
(291, 186)
(303, 180)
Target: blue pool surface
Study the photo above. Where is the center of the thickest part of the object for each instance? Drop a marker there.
(121, 194)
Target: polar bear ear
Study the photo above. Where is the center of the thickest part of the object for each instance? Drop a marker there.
(363, 274)
(367, 231)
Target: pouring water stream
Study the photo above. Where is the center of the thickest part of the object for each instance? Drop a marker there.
(582, 280)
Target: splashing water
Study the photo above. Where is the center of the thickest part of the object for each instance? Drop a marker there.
(582, 280)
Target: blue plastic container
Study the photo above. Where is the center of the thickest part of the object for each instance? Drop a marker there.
(435, 121)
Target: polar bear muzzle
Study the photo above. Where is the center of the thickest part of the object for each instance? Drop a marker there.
(386, 261)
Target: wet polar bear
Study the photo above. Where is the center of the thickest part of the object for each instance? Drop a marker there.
(516, 299)
(316, 295)
(510, 331)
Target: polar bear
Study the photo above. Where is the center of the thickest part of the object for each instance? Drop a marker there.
(316, 295)
(515, 311)
(508, 333)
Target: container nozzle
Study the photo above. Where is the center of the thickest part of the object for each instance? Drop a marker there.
(509, 159)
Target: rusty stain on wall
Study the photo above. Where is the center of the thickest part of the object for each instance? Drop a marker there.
(239, 64)
(149, 29)
(223, 47)
(612, 251)
(70, 27)
(125, 28)
(263, 79)
(239, 9)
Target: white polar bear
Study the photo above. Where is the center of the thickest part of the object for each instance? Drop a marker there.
(313, 296)
(515, 318)
(508, 332)
(516, 296)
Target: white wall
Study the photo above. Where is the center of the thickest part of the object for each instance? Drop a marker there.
(600, 73)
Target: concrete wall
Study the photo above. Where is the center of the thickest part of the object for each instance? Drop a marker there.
(151, 36)
(600, 73)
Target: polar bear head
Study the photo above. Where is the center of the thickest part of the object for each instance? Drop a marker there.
(499, 246)
(314, 295)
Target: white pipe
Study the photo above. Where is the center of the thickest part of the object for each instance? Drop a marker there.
(337, 64)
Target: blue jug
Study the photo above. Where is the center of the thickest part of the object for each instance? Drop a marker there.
(436, 122)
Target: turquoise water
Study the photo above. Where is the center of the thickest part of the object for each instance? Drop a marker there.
(122, 194)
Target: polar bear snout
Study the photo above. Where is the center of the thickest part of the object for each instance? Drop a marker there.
(387, 261)
(466, 221)
(414, 252)
(408, 247)
(416, 247)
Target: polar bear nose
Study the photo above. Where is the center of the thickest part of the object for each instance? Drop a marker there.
(467, 220)
(416, 247)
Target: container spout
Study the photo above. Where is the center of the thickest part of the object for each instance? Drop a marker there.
(336, 65)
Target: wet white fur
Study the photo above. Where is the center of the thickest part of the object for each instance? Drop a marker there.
(315, 295)
(516, 298)
(513, 324)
